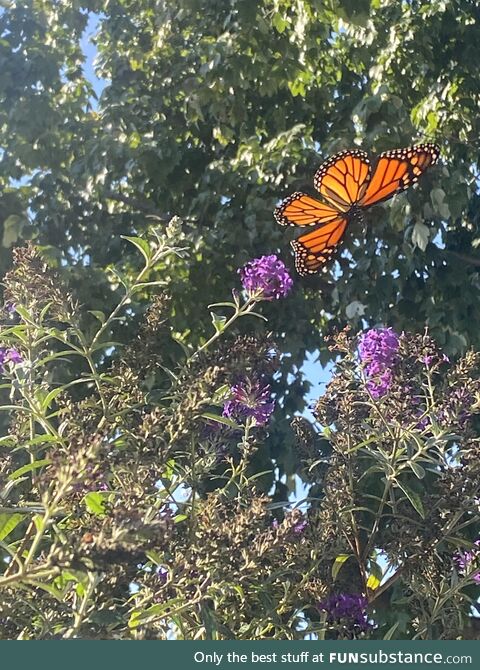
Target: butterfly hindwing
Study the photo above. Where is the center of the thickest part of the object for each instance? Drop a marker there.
(396, 170)
(314, 248)
(300, 209)
(343, 178)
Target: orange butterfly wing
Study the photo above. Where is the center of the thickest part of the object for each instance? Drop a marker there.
(300, 209)
(314, 248)
(396, 170)
(346, 184)
(343, 178)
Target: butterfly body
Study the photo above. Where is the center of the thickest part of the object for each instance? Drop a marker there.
(349, 184)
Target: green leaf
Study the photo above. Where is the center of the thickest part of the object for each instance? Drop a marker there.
(95, 502)
(142, 246)
(389, 634)
(139, 617)
(279, 22)
(418, 470)
(98, 315)
(413, 497)
(29, 467)
(8, 523)
(337, 564)
(154, 556)
(218, 321)
(25, 314)
(221, 419)
(41, 439)
(50, 397)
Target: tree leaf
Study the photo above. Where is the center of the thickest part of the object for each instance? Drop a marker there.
(420, 235)
(95, 502)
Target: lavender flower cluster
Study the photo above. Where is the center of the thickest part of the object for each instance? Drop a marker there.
(378, 350)
(468, 562)
(348, 609)
(9, 355)
(250, 398)
(267, 276)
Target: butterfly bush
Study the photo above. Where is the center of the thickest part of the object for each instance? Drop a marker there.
(396, 472)
(146, 517)
(468, 562)
(137, 474)
(9, 355)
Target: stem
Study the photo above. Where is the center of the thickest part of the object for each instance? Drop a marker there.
(239, 311)
(126, 298)
(192, 519)
(80, 613)
(390, 581)
(37, 539)
(376, 523)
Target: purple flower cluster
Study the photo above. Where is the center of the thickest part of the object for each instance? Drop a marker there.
(250, 399)
(162, 574)
(299, 527)
(348, 609)
(378, 349)
(10, 355)
(267, 274)
(467, 561)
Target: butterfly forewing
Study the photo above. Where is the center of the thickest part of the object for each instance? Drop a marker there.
(343, 178)
(396, 170)
(300, 209)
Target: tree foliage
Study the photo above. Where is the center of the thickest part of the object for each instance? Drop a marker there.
(212, 112)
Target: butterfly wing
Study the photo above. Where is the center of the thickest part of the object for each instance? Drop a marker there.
(300, 209)
(396, 170)
(314, 248)
(343, 178)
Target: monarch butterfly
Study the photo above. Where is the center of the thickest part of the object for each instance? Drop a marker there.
(348, 185)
